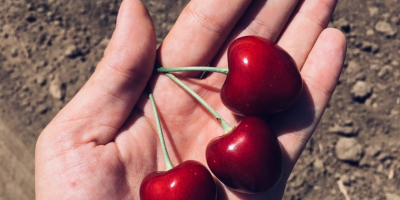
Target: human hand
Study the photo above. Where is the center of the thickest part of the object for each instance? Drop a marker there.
(103, 143)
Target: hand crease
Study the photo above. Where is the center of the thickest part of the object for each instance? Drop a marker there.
(205, 21)
(312, 82)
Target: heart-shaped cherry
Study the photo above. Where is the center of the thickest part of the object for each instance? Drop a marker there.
(262, 79)
(248, 159)
(189, 180)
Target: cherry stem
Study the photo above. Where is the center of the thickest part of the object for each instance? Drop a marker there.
(227, 128)
(160, 133)
(194, 68)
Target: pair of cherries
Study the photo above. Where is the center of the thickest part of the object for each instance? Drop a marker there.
(263, 79)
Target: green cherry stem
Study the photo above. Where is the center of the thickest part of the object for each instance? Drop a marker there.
(160, 133)
(194, 68)
(227, 128)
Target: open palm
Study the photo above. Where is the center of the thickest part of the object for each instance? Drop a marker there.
(103, 143)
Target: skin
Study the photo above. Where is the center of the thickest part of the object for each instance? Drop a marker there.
(104, 142)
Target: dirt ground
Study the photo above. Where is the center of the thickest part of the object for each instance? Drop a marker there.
(48, 49)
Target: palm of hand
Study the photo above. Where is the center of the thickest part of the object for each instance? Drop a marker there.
(103, 143)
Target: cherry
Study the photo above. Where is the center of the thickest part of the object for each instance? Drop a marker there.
(262, 79)
(189, 180)
(249, 159)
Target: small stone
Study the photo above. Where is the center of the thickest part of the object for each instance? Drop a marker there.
(41, 9)
(374, 67)
(385, 28)
(348, 122)
(57, 23)
(344, 130)
(14, 52)
(57, 89)
(346, 180)
(41, 98)
(104, 43)
(390, 196)
(25, 103)
(41, 80)
(337, 176)
(373, 150)
(384, 156)
(343, 25)
(297, 182)
(361, 91)
(353, 178)
(318, 165)
(43, 63)
(42, 109)
(379, 168)
(370, 32)
(72, 52)
(353, 66)
(358, 43)
(355, 52)
(364, 162)
(352, 40)
(385, 71)
(395, 20)
(373, 11)
(385, 16)
(348, 150)
(387, 163)
(29, 109)
(374, 48)
(369, 47)
(26, 88)
(394, 112)
(82, 10)
(29, 6)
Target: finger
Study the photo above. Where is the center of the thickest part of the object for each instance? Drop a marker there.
(308, 21)
(320, 74)
(199, 32)
(265, 18)
(106, 100)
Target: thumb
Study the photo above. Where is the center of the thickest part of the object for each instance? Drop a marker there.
(106, 100)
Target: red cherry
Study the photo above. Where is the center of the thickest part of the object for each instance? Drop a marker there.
(248, 159)
(262, 79)
(189, 180)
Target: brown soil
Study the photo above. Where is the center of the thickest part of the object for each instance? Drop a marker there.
(48, 49)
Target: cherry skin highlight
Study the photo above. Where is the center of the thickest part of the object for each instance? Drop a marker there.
(263, 78)
(249, 159)
(188, 181)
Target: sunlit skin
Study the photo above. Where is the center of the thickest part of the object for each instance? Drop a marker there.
(104, 142)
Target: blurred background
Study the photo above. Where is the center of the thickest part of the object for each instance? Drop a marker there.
(49, 48)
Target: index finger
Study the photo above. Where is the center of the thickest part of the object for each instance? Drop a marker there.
(200, 31)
